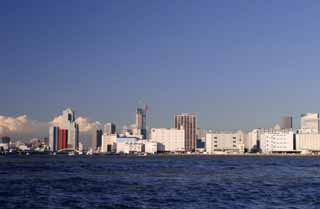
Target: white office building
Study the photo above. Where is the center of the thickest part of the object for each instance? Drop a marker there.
(151, 147)
(308, 142)
(128, 145)
(169, 139)
(309, 123)
(277, 141)
(228, 142)
(66, 133)
(108, 143)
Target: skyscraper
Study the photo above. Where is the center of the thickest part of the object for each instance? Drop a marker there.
(285, 122)
(141, 121)
(66, 134)
(110, 128)
(189, 124)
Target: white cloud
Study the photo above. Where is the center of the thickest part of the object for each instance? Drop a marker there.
(23, 128)
(85, 125)
(20, 125)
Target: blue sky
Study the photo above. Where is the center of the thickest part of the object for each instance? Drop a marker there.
(236, 64)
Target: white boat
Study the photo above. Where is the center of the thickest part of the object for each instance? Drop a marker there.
(90, 152)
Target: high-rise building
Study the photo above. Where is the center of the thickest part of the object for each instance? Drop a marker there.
(285, 122)
(46, 141)
(141, 122)
(96, 140)
(110, 128)
(309, 123)
(66, 134)
(189, 123)
(5, 139)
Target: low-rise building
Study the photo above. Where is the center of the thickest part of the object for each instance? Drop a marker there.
(277, 141)
(308, 142)
(4, 147)
(229, 142)
(128, 145)
(108, 143)
(169, 139)
(150, 147)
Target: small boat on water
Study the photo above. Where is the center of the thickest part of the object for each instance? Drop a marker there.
(90, 152)
(71, 153)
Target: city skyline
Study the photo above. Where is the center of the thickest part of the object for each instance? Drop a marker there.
(236, 66)
(22, 127)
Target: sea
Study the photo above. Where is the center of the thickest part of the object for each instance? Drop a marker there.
(61, 181)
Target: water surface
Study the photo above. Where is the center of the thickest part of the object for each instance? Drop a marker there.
(159, 182)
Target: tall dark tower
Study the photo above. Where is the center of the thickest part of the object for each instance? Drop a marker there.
(141, 121)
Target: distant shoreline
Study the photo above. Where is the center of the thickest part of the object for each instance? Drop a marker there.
(168, 154)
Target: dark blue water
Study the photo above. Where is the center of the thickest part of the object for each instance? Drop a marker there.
(159, 182)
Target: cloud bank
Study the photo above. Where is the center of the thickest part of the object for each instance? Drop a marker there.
(23, 127)
(85, 125)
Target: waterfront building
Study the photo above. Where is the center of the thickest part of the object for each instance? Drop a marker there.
(273, 141)
(228, 142)
(150, 147)
(46, 141)
(188, 123)
(309, 142)
(252, 143)
(108, 143)
(66, 135)
(110, 128)
(96, 140)
(4, 147)
(141, 117)
(5, 140)
(169, 139)
(128, 145)
(309, 123)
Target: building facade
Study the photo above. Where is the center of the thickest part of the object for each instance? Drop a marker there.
(308, 142)
(229, 142)
(285, 122)
(141, 123)
(128, 145)
(110, 128)
(150, 147)
(66, 135)
(309, 123)
(169, 139)
(96, 140)
(5, 139)
(108, 143)
(188, 123)
(277, 141)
